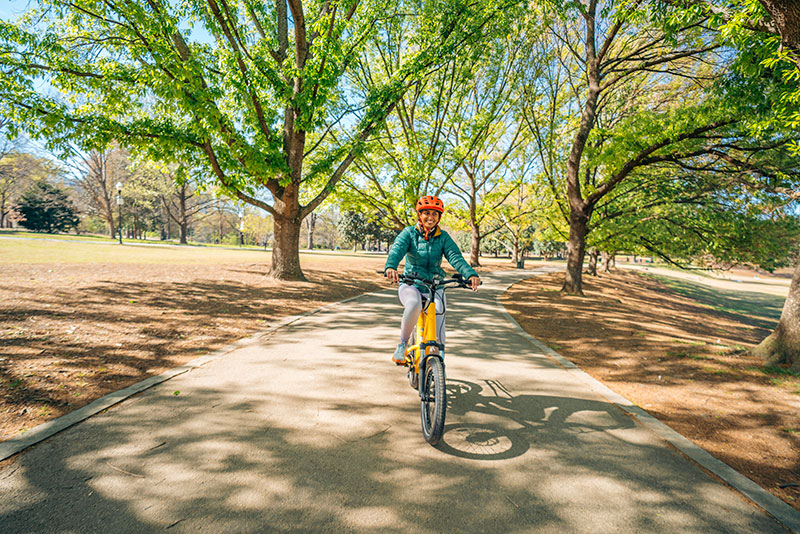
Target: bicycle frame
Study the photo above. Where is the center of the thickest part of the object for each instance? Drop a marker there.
(426, 338)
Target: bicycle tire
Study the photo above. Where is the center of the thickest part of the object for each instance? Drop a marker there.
(433, 405)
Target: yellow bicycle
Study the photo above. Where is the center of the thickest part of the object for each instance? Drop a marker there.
(424, 356)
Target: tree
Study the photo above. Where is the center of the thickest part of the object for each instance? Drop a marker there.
(6, 144)
(516, 220)
(98, 175)
(607, 66)
(408, 156)
(18, 171)
(9, 182)
(630, 88)
(548, 248)
(483, 139)
(47, 208)
(257, 229)
(326, 231)
(255, 105)
(220, 220)
(179, 196)
(766, 38)
(782, 346)
(785, 16)
(311, 224)
(709, 209)
(378, 233)
(776, 17)
(353, 228)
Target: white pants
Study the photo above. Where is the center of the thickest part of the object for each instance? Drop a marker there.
(411, 297)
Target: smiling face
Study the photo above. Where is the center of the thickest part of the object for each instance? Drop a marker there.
(429, 218)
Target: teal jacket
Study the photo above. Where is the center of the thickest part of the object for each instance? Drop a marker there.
(424, 257)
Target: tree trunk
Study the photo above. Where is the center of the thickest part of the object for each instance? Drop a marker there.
(786, 16)
(579, 211)
(183, 218)
(311, 222)
(783, 345)
(164, 221)
(286, 250)
(108, 198)
(606, 260)
(592, 270)
(613, 260)
(219, 223)
(576, 247)
(516, 252)
(475, 249)
(108, 215)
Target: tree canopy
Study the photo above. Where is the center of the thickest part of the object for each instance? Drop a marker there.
(226, 86)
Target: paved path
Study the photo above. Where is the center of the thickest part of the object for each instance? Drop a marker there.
(312, 429)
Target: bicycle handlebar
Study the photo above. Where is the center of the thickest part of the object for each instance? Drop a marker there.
(433, 285)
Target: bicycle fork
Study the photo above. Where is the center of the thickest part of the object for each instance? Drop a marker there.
(428, 348)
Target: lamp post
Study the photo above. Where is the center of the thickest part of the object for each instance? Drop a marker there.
(119, 211)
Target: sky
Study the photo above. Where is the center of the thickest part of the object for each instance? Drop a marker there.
(10, 9)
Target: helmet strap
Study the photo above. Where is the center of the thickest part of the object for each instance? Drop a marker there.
(427, 233)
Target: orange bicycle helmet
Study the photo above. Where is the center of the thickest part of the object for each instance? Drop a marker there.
(430, 202)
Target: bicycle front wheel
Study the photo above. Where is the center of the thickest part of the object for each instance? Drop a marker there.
(434, 401)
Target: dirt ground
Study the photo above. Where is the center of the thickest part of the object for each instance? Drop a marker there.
(678, 350)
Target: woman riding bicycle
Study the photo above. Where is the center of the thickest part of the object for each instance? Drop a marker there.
(423, 246)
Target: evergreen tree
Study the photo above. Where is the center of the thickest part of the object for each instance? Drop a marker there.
(353, 228)
(47, 208)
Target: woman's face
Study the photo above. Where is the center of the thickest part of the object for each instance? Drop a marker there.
(429, 218)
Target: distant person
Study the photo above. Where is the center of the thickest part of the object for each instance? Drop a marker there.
(423, 247)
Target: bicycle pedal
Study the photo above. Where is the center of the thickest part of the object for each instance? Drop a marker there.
(413, 379)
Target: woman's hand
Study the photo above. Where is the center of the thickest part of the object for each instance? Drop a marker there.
(474, 282)
(392, 275)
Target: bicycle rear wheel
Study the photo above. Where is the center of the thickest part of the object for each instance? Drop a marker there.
(434, 401)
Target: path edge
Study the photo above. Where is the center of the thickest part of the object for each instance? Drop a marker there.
(772, 505)
(39, 433)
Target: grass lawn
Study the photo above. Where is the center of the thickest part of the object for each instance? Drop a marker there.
(73, 251)
(763, 308)
(31, 251)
